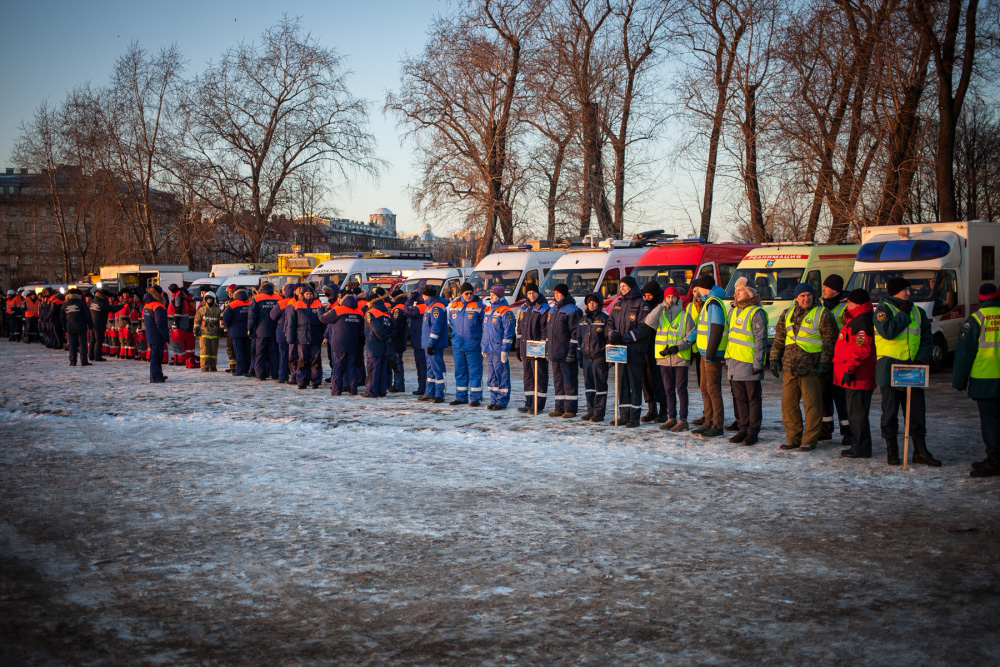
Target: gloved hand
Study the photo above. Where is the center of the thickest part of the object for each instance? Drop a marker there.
(757, 370)
(776, 368)
(430, 352)
(571, 357)
(517, 351)
(672, 350)
(825, 369)
(848, 379)
(503, 357)
(906, 307)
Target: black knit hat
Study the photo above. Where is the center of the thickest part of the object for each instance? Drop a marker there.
(631, 282)
(988, 292)
(593, 296)
(705, 281)
(652, 287)
(897, 285)
(833, 281)
(562, 288)
(467, 287)
(430, 290)
(530, 287)
(859, 296)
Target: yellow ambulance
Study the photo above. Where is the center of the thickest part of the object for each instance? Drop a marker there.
(774, 269)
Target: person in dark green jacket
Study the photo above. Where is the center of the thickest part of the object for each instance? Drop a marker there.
(977, 367)
(902, 336)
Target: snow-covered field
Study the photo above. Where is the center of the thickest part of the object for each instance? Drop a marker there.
(217, 520)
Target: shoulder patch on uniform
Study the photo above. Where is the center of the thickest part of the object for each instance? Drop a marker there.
(966, 326)
(860, 339)
(881, 316)
(632, 316)
(757, 324)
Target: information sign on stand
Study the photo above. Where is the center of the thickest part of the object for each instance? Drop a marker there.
(909, 376)
(617, 355)
(536, 351)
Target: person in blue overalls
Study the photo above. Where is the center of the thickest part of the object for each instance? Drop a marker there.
(434, 338)
(498, 335)
(465, 315)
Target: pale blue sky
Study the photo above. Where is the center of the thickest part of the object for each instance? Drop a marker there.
(50, 46)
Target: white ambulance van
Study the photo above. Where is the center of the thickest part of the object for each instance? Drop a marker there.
(353, 269)
(513, 266)
(945, 264)
(594, 267)
(445, 276)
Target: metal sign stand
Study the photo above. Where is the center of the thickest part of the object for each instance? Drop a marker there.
(617, 355)
(535, 401)
(909, 376)
(536, 350)
(616, 394)
(906, 432)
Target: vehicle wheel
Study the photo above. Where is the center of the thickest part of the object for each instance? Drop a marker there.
(939, 353)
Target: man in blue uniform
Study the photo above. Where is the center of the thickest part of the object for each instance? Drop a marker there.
(236, 318)
(154, 320)
(264, 331)
(465, 314)
(378, 343)
(562, 328)
(977, 366)
(308, 331)
(498, 335)
(434, 338)
(344, 333)
(531, 321)
(414, 310)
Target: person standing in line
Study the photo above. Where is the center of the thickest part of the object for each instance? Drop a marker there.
(378, 342)
(531, 321)
(308, 331)
(835, 301)
(400, 334)
(629, 314)
(264, 331)
(345, 335)
(902, 336)
(279, 315)
(854, 370)
(466, 316)
(100, 308)
(434, 338)
(414, 310)
(673, 326)
(31, 308)
(804, 339)
(745, 351)
(498, 336)
(652, 380)
(208, 328)
(15, 315)
(711, 339)
(236, 319)
(597, 331)
(154, 317)
(76, 322)
(977, 367)
(562, 327)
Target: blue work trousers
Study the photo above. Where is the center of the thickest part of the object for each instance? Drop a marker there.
(468, 375)
(528, 366)
(595, 382)
(310, 365)
(345, 376)
(420, 361)
(435, 374)
(498, 380)
(397, 381)
(241, 346)
(565, 383)
(265, 357)
(378, 376)
(675, 385)
(156, 362)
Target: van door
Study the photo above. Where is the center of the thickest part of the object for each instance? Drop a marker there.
(609, 285)
(528, 277)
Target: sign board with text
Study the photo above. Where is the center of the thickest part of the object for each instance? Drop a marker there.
(616, 354)
(907, 375)
(536, 349)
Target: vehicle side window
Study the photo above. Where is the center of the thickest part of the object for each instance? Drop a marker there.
(815, 280)
(449, 291)
(726, 272)
(989, 262)
(708, 269)
(609, 286)
(945, 295)
(353, 280)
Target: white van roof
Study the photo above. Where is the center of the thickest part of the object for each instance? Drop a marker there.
(518, 260)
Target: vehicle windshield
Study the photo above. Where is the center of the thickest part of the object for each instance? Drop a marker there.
(484, 281)
(195, 290)
(771, 284)
(927, 285)
(322, 280)
(679, 277)
(581, 282)
(280, 281)
(417, 284)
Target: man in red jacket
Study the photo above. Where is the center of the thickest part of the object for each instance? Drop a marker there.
(854, 370)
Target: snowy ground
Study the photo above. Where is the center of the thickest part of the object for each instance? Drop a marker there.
(217, 520)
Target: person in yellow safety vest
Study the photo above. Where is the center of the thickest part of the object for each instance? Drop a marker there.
(693, 310)
(902, 336)
(745, 360)
(835, 300)
(672, 348)
(805, 336)
(710, 336)
(977, 366)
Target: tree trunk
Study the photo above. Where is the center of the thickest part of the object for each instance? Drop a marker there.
(750, 177)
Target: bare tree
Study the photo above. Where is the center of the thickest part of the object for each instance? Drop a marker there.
(461, 103)
(265, 111)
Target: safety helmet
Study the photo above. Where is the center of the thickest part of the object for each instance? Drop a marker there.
(11, 292)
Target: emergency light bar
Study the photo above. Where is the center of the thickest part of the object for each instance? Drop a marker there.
(676, 241)
(779, 243)
(439, 265)
(507, 248)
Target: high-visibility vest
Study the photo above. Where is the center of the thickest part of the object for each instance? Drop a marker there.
(840, 314)
(673, 332)
(692, 311)
(987, 364)
(703, 326)
(741, 343)
(904, 346)
(808, 337)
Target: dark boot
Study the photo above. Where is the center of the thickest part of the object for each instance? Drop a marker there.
(988, 468)
(892, 447)
(651, 414)
(920, 453)
(738, 438)
(734, 427)
(750, 440)
(662, 417)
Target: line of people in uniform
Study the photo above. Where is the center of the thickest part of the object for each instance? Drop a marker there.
(828, 352)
